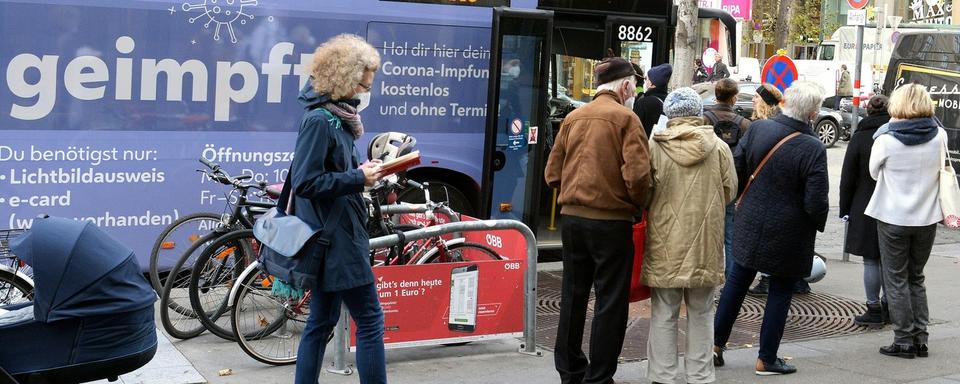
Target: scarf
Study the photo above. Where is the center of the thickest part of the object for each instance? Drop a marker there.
(348, 114)
(910, 132)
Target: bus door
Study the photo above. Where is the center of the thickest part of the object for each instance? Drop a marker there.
(516, 113)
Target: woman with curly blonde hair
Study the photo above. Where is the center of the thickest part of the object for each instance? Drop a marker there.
(325, 182)
(766, 102)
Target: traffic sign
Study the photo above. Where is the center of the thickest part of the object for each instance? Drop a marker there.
(779, 71)
(858, 4)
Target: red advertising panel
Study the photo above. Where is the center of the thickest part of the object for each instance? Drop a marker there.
(455, 302)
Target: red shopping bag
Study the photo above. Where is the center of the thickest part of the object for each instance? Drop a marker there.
(638, 291)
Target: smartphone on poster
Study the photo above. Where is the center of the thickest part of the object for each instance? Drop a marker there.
(463, 298)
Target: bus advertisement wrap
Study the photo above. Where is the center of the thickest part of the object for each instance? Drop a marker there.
(104, 121)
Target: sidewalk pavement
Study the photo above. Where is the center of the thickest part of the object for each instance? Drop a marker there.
(852, 359)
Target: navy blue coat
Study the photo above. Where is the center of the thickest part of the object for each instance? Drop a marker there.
(324, 175)
(776, 225)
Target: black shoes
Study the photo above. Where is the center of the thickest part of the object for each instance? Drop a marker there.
(778, 367)
(801, 287)
(761, 288)
(718, 356)
(896, 350)
(873, 317)
(922, 350)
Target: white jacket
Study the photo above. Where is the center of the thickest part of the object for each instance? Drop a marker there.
(908, 181)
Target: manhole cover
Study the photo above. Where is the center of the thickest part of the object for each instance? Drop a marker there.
(812, 316)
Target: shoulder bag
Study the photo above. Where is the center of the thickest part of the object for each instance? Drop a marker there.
(762, 163)
(949, 190)
(293, 251)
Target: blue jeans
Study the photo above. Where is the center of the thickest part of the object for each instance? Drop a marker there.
(364, 306)
(774, 314)
(728, 239)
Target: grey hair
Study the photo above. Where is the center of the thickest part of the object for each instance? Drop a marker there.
(802, 99)
(616, 84)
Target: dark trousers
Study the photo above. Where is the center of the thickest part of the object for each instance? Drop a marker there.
(904, 252)
(364, 305)
(774, 314)
(598, 254)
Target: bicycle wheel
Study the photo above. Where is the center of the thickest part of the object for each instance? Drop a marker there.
(14, 289)
(216, 270)
(267, 327)
(174, 239)
(458, 252)
(176, 314)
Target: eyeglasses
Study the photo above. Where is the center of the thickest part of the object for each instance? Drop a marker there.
(366, 87)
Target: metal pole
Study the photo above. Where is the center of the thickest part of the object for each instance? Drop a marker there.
(855, 115)
(846, 255)
(341, 344)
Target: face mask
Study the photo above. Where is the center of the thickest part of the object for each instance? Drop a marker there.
(364, 101)
(629, 102)
(514, 71)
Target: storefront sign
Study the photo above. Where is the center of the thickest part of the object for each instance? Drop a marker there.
(931, 11)
(739, 9)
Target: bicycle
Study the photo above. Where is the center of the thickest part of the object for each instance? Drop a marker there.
(16, 284)
(170, 245)
(178, 314)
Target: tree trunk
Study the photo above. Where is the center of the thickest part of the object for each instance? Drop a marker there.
(783, 24)
(685, 43)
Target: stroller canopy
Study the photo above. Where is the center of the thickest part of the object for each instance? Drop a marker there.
(80, 271)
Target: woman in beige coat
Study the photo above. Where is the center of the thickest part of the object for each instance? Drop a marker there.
(693, 181)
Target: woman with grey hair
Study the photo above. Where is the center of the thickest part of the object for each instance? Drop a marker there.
(326, 179)
(782, 168)
(693, 181)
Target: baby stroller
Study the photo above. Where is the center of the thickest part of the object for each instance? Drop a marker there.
(92, 314)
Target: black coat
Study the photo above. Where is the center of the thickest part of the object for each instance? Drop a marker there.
(856, 188)
(776, 224)
(649, 108)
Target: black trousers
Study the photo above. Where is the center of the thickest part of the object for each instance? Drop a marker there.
(598, 254)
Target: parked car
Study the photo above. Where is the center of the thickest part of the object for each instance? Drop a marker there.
(831, 125)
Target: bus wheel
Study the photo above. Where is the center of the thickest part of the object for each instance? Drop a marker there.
(440, 191)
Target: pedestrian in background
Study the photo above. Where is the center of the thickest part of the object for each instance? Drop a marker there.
(844, 86)
(601, 165)
(766, 102)
(856, 188)
(693, 180)
(327, 180)
(777, 218)
(720, 70)
(906, 159)
(730, 127)
(649, 107)
(701, 72)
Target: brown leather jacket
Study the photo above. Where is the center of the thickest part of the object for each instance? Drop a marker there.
(601, 161)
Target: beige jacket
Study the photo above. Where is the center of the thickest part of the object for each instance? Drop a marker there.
(693, 180)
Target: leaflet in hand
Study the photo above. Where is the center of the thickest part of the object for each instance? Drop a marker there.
(400, 164)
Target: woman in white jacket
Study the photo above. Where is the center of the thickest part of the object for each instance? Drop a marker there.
(906, 161)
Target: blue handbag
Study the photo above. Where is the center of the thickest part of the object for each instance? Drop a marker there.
(290, 245)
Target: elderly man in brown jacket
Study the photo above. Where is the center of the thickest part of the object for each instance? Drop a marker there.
(601, 165)
(693, 180)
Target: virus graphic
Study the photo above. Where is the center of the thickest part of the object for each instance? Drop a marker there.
(222, 13)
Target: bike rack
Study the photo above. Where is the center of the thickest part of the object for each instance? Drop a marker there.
(529, 345)
(401, 208)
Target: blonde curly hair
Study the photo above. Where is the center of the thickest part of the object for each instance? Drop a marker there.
(340, 63)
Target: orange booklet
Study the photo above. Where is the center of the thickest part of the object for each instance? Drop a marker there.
(401, 163)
